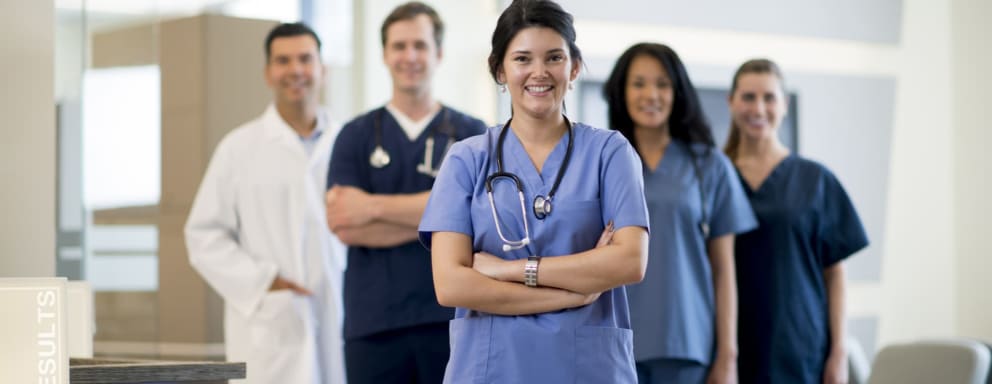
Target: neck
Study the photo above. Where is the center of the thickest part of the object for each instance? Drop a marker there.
(652, 139)
(540, 131)
(761, 148)
(415, 105)
(302, 117)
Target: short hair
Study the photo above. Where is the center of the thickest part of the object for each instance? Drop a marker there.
(289, 30)
(409, 11)
(686, 122)
(522, 14)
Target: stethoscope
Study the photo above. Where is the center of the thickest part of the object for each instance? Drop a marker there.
(542, 204)
(380, 158)
(704, 223)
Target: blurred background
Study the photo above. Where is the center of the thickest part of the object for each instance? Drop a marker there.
(113, 108)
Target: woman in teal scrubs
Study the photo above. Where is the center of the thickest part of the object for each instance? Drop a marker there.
(790, 270)
(684, 313)
(514, 218)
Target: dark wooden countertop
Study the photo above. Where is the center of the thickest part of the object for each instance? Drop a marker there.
(92, 371)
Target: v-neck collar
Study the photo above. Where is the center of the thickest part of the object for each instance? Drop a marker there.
(430, 129)
(527, 171)
(664, 164)
(777, 169)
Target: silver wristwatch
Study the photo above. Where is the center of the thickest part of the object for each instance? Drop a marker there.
(530, 270)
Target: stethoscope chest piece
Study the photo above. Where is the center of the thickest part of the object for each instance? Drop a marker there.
(542, 207)
(379, 157)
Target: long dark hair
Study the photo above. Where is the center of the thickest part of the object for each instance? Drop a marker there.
(758, 66)
(686, 121)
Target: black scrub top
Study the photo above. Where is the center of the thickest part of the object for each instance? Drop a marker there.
(806, 223)
(391, 288)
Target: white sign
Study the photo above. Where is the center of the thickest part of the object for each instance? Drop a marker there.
(33, 347)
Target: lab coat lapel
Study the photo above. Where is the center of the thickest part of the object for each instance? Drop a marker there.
(279, 133)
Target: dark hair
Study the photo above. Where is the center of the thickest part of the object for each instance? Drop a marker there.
(758, 66)
(289, 30)
(412, 10)
(523, 14)
(686, 122)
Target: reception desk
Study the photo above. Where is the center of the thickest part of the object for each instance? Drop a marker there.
(107, 371)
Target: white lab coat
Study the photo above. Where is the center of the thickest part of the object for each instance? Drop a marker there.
(260, 212)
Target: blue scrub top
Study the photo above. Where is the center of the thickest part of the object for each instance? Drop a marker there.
(391, 288)
(590, 344)
(673, 309)
(806, 223)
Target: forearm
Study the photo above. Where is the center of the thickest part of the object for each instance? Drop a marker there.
(721, 255)
(464, 287)
(377, 234)
(458, 285)
(401, 209)
(836, 287)
(623, 261)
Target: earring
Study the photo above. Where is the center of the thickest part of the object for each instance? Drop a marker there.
(571, 85)
(502, 88)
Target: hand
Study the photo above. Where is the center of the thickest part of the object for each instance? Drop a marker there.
(280, 283)
(488, 264)
(607, 236)
(590, 298)
(347, 207)
(723, 370)
(835, 370)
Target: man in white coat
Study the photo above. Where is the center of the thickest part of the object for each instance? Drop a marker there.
(257, 234)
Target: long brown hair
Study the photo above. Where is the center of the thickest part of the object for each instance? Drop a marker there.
(758, 66)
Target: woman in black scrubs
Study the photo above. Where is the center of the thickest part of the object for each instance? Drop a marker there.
(790, 275)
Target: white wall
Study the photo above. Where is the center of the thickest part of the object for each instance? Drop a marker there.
(916, 296)
(27, 139)
(972, 55)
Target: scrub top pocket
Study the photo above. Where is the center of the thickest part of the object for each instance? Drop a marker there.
(604, 355)
(470, 338)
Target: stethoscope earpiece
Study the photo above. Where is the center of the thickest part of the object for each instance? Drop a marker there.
(522, 243)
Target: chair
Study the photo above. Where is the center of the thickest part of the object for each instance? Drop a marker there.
(989, 379)
(926, 362)
(858, 366)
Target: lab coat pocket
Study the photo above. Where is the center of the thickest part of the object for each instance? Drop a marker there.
(469, 341)
(604, 355)
(282, 319)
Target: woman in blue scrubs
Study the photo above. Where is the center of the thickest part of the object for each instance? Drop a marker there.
(790, 273)
(684, 313)
(537, 301)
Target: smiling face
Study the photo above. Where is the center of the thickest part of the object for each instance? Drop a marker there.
(648, 93)
(758, 105)
(411, 54)
(294, 71)
(537, 69)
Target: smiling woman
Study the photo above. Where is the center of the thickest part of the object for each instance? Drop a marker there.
(539, 292)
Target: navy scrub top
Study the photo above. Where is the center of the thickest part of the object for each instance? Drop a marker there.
(673, 309)
(806, 223)
(391, 288)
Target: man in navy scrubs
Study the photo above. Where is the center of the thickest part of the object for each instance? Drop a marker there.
(381, 172)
